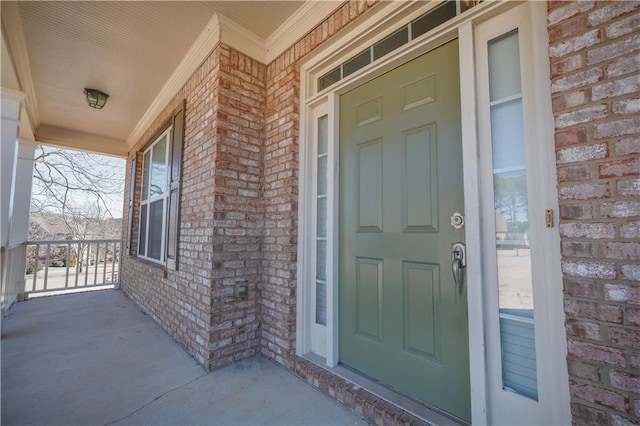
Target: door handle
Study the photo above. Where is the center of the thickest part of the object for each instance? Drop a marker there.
(458, 261)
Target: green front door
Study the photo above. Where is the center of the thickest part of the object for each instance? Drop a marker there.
(402, 321)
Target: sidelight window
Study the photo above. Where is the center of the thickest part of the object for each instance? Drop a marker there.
(321, 218)
(513, 251)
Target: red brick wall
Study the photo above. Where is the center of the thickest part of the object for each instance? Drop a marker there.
(180, 300)
(221, 214)
(236, 166)
(278, 303)
(595, 60)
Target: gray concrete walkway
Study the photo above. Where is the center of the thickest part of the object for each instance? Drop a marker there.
(96, 359)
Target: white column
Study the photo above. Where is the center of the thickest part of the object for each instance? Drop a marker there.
(20, 215)
(11, 101)
(19, 231)
(11, 258)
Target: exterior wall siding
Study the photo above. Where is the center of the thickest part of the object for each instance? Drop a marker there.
(595, 60)
(239, 207)
(278, 304)
(221, 215)
(180, 300)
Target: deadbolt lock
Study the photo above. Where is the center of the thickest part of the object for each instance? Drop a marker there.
(457, 220)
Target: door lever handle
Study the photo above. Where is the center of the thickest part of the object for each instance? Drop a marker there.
(459, 261)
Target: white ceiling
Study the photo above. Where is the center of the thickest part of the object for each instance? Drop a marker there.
(128, 49)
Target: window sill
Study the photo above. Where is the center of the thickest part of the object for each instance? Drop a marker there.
(155, 265)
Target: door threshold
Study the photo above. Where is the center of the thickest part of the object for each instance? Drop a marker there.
(422, 411)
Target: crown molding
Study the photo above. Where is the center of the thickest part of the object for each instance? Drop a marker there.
(13, 30)
(26, 129)
(195, 56)
(240, 38)
(303, 20)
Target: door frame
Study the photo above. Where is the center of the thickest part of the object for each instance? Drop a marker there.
(383, 20)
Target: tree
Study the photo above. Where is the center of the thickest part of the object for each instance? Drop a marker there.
(511, 203)
(77, 184)
(76, 196)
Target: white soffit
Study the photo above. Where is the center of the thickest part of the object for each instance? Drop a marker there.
(57, 48)
(201, 48)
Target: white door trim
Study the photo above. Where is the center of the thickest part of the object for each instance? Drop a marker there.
(504, 406)
(386, 18)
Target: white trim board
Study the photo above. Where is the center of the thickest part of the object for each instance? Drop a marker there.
(66, 138)
(383, 20)
(505, 406)
(303, 20)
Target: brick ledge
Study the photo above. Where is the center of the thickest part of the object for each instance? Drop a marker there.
(371, 407)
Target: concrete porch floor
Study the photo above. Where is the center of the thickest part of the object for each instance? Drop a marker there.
(96, 359)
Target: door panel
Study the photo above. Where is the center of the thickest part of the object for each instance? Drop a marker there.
(401, 319)
(421, 288)
(420, 184)
(370, 186)
(369, 298)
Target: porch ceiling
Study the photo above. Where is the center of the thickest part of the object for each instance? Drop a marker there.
(126, 49)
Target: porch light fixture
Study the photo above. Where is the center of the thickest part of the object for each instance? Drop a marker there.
(95, 98)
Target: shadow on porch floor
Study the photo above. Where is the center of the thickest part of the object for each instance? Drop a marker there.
(96, 359)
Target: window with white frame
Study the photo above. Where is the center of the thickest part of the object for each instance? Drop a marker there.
(159, 194)
(154, 198)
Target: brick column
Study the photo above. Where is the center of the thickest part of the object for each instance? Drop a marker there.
(595, 86)
(237, 208)
(278, 301)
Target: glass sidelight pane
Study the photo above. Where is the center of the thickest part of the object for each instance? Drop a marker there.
(515, 283)
(321, 226)
(321, 218)
(504, 67)
(506, 121)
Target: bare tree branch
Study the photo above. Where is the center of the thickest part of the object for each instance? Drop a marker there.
(85, 189)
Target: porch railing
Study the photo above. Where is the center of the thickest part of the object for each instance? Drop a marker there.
(58, 266)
